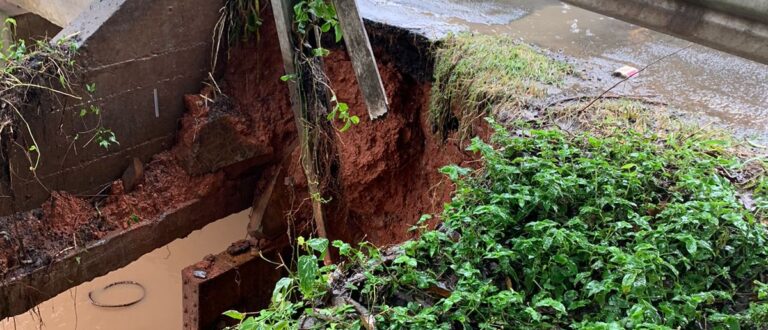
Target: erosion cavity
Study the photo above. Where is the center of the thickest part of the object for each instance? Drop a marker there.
(237, 148)
(387, 173)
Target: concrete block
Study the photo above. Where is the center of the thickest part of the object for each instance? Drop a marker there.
(133, 175)
(735, 26)
(216, 136)
(271, 199)
(60, 12)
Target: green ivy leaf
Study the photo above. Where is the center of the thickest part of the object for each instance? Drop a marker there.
(320, 52)
(628, 282)
(406, 260)
(344, 248)
(279, 294)
(319, 245)
(234, 315)
(338, 33)
(551, 303)
(288, 77)
(308, 272)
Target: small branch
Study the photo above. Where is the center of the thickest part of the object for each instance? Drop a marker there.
(639, 98)
(367, 320)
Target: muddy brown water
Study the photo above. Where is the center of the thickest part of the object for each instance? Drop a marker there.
(159, 271)
(703, 84)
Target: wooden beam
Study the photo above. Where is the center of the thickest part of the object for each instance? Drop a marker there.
(283, 12)
(363, 60)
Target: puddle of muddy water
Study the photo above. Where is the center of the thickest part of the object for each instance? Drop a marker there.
(159, 272)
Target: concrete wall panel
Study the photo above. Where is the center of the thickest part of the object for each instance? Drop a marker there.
(129, 48)
(60, 12)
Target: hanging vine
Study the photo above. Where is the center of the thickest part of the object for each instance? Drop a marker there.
(44, 69)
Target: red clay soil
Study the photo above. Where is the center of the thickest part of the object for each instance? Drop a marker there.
(166, 185)
(388, 168)
(65, 221)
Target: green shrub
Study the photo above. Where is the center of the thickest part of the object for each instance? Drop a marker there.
(557, 231)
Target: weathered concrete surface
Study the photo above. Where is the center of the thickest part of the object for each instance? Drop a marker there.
(129, 49)
(239, 282)
(9, 8)
(60, 12)
(754, 9)
(738, 27)
(17, 295)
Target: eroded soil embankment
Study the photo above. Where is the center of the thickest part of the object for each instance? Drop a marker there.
(387, 168)
(387, 171)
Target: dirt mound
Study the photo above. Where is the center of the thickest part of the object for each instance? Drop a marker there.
(166, 186)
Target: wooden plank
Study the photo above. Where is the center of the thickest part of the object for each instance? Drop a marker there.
(363, 60)
(283, 12)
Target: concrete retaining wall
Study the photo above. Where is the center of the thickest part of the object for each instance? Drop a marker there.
(129, 49)
(60, 12)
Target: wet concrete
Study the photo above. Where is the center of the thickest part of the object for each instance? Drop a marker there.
(159, 271)
(706, 85)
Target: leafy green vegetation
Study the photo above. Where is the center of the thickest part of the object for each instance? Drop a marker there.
(478, 75)
(42, 67)
(243, 19)
(761, 199)
(625, 231)
(312, 19)
(616, 218)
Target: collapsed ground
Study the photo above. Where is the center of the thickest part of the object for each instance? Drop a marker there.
(604, 215)
(245, 130)
(625, 189)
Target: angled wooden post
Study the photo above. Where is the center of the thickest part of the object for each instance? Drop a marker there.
(363, 60)
(283, 12)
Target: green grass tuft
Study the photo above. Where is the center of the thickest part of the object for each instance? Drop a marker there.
(477, 75)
